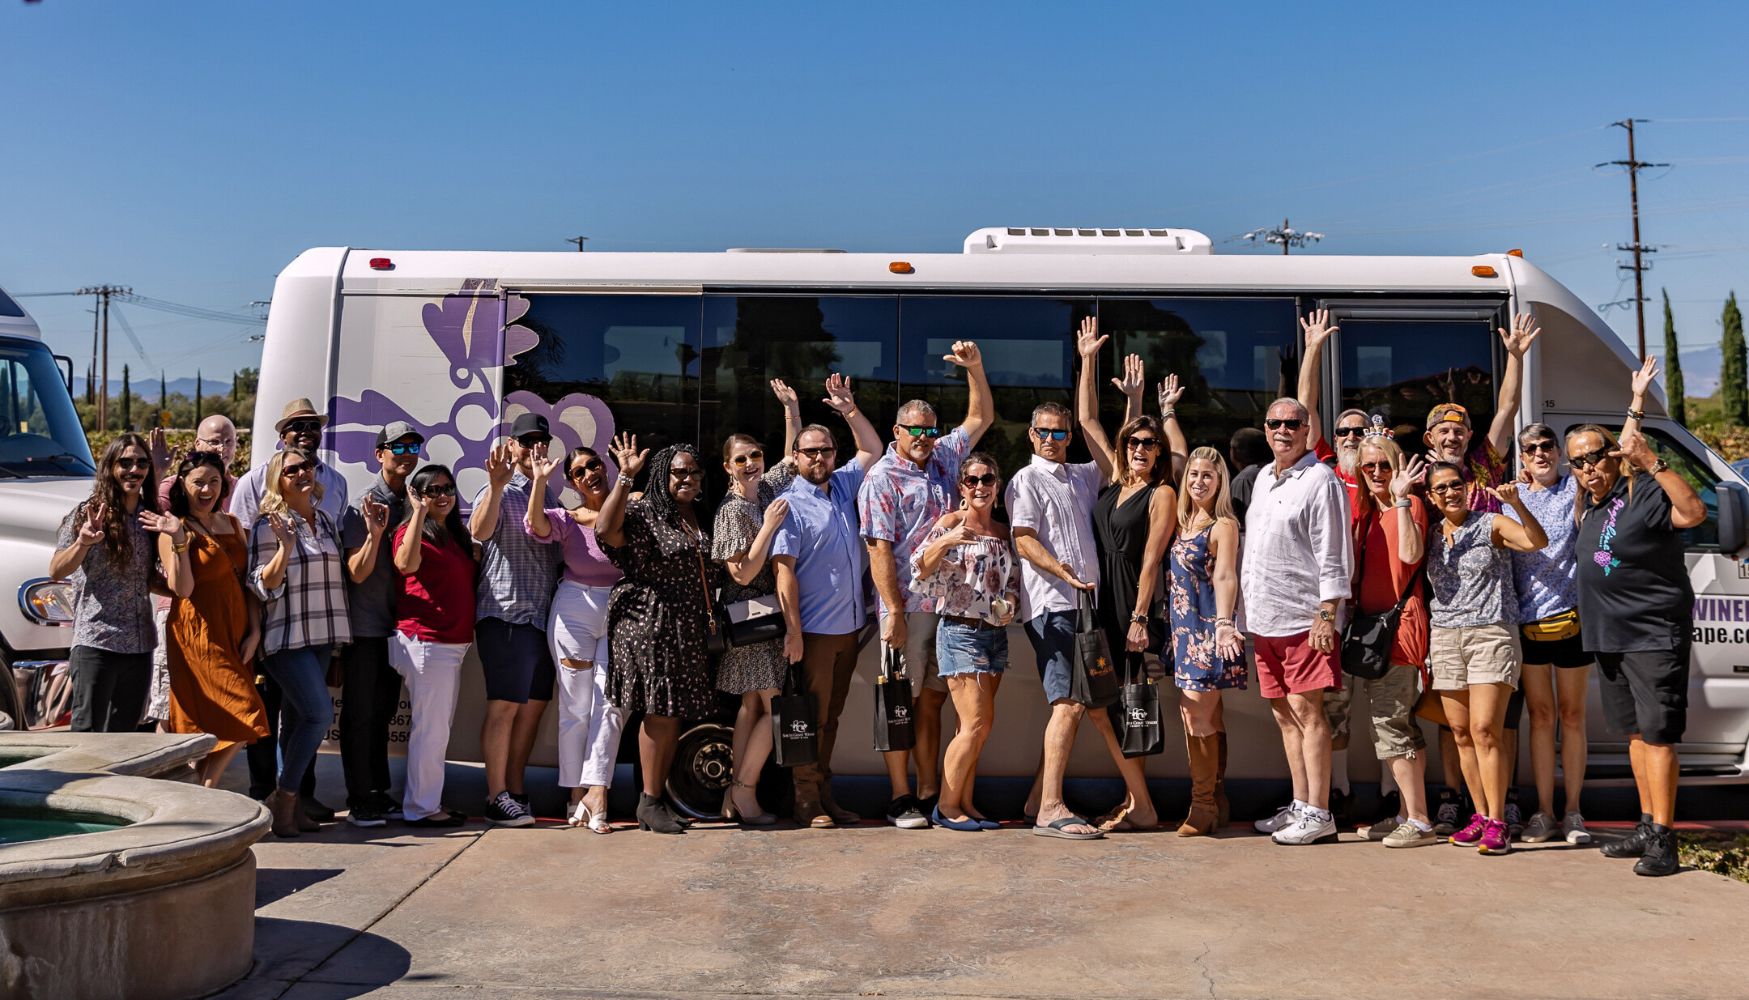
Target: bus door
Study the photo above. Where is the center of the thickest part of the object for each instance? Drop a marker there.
(1718, 679)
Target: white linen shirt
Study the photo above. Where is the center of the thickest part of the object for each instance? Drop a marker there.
(1298, 552)
(251, 486)
(1055, 500)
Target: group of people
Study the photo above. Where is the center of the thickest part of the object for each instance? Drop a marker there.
(1461, 585)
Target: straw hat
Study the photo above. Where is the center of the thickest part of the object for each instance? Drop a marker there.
(298, 409)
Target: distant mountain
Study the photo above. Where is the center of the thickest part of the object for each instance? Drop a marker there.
(1700, 370)
(147, 388)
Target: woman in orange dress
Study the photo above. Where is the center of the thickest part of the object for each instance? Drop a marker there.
(215, 626)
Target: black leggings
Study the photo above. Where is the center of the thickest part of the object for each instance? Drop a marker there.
(109, 689)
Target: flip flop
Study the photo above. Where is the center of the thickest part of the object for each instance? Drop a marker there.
(1058, 828)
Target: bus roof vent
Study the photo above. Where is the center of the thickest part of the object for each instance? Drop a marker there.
(783, 250)
(1030, 239)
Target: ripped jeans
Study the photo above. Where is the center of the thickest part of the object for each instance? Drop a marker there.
(968, 649)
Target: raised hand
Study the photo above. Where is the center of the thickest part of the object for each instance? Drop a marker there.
(1642, 379)
(1414, 471)
(159, 448)
(775, 513)
(415, 502)
(1170, 392)
(965, 354)
(499, 467)
(164, 524)
(1634, 447)
(839, 395)
(1317, 328)
(1087, 338)
(545, 466)
(1134, 378)
(1506, 493)
(626, 454)
(282, 530)
(1518, 339)
(786, 397)
(91, 528)
(376, 515)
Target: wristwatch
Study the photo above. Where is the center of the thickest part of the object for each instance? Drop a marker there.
(1660, 466)
(1326, 615)
(1634, 414)
(1137, 618)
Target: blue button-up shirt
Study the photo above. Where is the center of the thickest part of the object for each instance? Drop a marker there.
(820, 533)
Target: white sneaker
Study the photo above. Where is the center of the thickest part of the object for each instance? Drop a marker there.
(1573, 829)
(1312, 826)
(1280, 820)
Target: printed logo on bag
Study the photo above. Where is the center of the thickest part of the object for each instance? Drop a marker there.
(1138, 715)
(901, 712)
(799, 727)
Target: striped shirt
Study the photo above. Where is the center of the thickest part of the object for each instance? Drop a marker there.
(308, 608)
(518, 574)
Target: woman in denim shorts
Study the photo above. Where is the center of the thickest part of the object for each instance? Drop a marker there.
(968, 565)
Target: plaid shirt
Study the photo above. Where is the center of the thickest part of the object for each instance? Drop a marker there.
(517, 573)
(308, 608)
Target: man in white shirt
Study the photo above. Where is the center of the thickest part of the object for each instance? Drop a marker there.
(1295, 574)
(1050, 509)
(299, 424)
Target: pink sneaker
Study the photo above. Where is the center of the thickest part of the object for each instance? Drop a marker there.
(1470, 835)
(1496, 839)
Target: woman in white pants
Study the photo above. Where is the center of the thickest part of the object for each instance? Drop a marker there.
(436, 558)
(589, 725)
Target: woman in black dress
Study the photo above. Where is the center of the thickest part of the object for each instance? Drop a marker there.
(657, 614)
(1133, 520)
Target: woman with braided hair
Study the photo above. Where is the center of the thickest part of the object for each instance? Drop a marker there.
(657, 616)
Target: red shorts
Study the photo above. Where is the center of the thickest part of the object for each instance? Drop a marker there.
(1289, 665)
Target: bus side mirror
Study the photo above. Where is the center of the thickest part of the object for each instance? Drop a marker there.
(1733, 517)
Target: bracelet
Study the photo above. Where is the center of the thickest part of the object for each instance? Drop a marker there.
(1137, 618)
(179, 548)
(1169, 413)
(1223, 621)
(1403, 502)
(626, 481)
(1634, 414)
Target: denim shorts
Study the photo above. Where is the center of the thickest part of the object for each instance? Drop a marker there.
(516, 659)
(966, 649)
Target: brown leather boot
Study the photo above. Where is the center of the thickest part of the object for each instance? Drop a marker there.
(282, 806)
(1223, 809)
(1205, 755)
(305, 823)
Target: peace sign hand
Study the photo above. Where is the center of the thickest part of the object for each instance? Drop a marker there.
(91, 529)
(627, 456)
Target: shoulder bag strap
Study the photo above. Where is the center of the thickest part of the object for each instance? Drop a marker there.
(710, 618)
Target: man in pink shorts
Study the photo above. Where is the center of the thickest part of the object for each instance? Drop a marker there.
(1297, 563)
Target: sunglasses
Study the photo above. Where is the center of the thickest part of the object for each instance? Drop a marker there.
(403, 448)
(133, 464)
(1536, 446)
(1343, 432)
(753, 456)
(987, 479)
(1376, 466)
(587, 467)
(1146, 444)
(1292, 424)
(921, 432)
(1455, 486)
(686, 473)
(1048, 434)
(817, 453)
(300, 469)
(445, 490)
(303, 427)
(1589, 459)
(530, 440)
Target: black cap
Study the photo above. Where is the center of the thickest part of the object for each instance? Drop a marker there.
(395, 430)
(529, 423)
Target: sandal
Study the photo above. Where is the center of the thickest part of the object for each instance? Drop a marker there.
(1059, 828)
(585, 817)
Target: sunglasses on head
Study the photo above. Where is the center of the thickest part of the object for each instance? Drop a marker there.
(530, 440)
(1536, 446)
(133, 464)
(303, 426)
(1050, 434)
(921, 432)
(1589, 459)
(987, 479)
(403, 447)
(752, 456)
(1146, 444)
(817, 453)
(1291, 423)
(440, 490)
(588, 466)
(1343, 432)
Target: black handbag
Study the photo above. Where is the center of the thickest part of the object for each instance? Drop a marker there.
(1143, 733)
(1093, 679)
(795, 728)
(1368, 640)
(754, 620)
(893, 728)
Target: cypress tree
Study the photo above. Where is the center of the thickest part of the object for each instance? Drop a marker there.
(1734, 370)
(163, 392)
(127, 407)
(1673, 389)
(197, 399)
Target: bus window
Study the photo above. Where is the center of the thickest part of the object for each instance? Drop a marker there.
(637, 353)
(751, 339)
(1407, 366)
(1028, 346)
(1234, 357)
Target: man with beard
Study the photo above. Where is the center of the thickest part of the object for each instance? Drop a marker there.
(818, 559)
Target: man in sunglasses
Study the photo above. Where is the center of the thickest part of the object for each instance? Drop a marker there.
(516, 582)
(299, 424)
(370, 689)
(1295, 574)
(819, 567)
(902, 497)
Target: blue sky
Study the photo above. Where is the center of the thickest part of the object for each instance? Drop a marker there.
(191, 150)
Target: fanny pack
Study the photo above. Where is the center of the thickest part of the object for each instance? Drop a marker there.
(1554, 628)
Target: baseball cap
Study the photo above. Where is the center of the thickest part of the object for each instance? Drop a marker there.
(529, 423)
(395, 430)
(1448, 413)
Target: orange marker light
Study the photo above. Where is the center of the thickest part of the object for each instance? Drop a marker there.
(901, 267)
(1515, 252)
(1483, 271)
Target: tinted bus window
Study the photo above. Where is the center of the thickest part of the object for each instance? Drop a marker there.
(1233, 356)
(751, 339)
(637, 353)
(1407, 366)
(1028, 346)
(7, 306)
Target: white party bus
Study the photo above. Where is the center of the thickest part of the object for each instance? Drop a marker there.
(680, 346)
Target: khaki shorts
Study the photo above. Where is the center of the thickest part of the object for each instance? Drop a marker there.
(1474, 654)
(920, 665)
(1395, 733)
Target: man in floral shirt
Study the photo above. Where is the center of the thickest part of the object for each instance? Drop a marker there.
(900, 500)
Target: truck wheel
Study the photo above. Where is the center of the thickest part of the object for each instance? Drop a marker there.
(701, 774)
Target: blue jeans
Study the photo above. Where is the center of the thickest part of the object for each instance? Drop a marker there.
(306, 711)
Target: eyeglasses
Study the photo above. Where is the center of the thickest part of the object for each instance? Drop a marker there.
(444, 490)
(987, 479)
(1049, 434)
(530, 440)
(300, 469)
(1343, 432)
(921, 432)
(403, 447)
(587, 467)
(302, 427)
(209, 444)
(1146, 444)
(1376, 466)
(1292, 423)
(818, 453)
(1536, 446)
(1455, 486)
(133, 464)
(1589, 459)
(686, 473)
(753, 456)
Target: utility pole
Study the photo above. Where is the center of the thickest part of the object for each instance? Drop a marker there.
(1634, 165)
(578, 240)
(1283, 234)
(103, 292)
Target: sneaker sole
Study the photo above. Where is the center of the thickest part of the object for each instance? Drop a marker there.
(910, 824)
(1579, 840)
(1328, 838)
(1423, 842)
(367, 822)
(518, 821)
(1491, 853)
(1537, 840)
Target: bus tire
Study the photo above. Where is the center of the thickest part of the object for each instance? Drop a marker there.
(701, 771)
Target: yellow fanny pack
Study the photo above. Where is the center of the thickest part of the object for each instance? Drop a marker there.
(1554, 628)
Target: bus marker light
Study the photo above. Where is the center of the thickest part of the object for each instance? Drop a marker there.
(1515, 252)
(901, 267)
(381, 264)
(1482, 271)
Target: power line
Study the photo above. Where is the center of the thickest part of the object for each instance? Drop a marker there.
(1283, 235)
(103, 293)
(1639, 249)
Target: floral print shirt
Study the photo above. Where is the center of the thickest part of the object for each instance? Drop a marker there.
(900, 501)
(969, 577)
